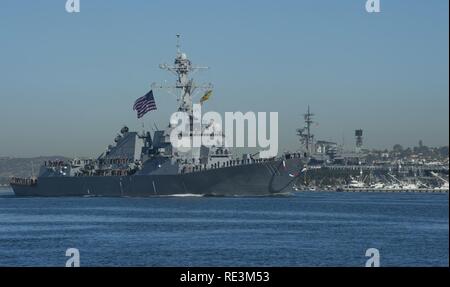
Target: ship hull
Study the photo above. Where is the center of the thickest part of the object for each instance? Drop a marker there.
(258, 179)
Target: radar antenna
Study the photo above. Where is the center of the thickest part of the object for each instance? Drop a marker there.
(182, 68)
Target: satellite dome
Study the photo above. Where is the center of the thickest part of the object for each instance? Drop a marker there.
(183, 56)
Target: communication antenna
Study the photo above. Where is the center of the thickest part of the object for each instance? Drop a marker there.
(309, 122)
(306, 137)
(178, 44)
(182, 68)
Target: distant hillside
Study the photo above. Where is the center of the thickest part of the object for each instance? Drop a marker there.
(22, 167)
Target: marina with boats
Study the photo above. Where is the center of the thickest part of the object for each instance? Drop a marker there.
(332, 168)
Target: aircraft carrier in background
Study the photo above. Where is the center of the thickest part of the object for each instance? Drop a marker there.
(139, 164)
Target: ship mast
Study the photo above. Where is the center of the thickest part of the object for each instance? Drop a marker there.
(306, 138)
(309, 121)
(182, 68)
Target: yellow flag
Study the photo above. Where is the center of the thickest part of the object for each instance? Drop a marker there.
(206, 96)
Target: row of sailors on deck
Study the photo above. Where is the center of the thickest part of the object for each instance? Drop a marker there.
(101, 161)
(236, 162)
(54, 163)
(192, 168)
(119, 172)
(113, 172)
(116, 161)
(23, 181)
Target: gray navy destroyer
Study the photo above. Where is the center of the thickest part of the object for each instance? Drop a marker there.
(140, 164)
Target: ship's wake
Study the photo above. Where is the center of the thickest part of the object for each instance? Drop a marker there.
(183, 195)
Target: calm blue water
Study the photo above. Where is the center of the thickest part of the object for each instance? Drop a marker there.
(306, 229)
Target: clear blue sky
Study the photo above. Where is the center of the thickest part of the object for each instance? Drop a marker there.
(68, 81)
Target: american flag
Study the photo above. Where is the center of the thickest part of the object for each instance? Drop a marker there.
(144, 104)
